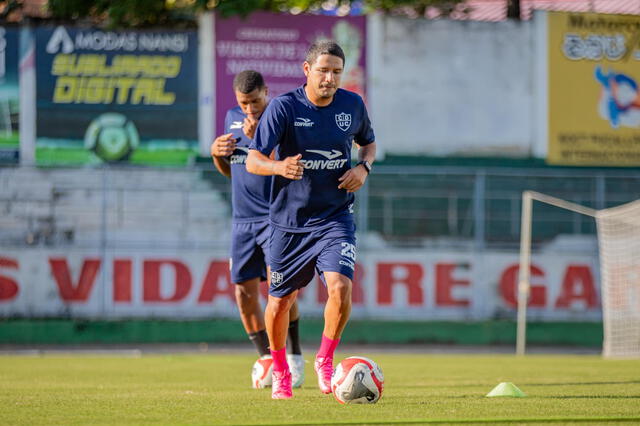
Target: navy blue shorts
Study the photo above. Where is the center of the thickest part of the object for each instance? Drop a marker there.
(249, 251)
(295, 256)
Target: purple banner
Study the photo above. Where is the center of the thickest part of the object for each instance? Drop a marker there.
(275, 45)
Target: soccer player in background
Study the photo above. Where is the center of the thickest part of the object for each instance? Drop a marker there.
(250, 227)
(312, 130)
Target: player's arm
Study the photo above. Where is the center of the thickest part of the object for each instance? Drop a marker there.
(260, 164)
(221, 148)
(354, 178)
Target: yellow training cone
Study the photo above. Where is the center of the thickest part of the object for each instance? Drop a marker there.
(506, 389)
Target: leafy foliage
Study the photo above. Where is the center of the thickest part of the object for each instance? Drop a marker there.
(183, 13)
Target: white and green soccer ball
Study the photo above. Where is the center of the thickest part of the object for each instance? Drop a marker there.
(112, 136)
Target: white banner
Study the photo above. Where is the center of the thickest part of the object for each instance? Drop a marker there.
(395, 284)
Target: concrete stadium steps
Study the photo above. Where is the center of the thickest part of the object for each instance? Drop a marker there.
(125, 205)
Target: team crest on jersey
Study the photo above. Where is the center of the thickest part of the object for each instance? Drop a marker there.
(343, 120)
(276, 277)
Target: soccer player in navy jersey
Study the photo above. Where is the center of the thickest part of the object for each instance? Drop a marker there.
(250, 227)
(312, 130)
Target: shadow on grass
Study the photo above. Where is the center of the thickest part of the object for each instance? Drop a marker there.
(621, 382)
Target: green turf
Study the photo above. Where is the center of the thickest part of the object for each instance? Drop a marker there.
(77, 156)
(10, 141)
(214, 389)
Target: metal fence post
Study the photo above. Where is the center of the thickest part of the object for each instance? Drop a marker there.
(103, 241)
(362, 199)
(601, 194)
(479, 193)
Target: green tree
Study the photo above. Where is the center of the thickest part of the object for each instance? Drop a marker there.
(403, 7)
(125, 13)
(183, 13)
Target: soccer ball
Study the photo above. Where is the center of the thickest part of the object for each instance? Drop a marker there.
(357, 380)
(261, 372)
(112, 136)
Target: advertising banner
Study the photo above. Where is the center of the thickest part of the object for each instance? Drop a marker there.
(401, 284)
(106, 96)
(9, 95)
(594, 89)
(275, 45)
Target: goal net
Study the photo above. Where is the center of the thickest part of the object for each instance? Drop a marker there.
(619, 252)
(619, 247)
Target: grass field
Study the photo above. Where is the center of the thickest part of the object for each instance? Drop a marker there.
(214, 389)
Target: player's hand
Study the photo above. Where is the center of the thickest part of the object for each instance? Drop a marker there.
(223, 146)
(353, 179)
(249, 126)
(290, 167)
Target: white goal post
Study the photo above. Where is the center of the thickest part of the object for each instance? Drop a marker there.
(618, 231)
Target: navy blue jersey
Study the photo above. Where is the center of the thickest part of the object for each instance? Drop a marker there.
(293, 125)
(249, 192)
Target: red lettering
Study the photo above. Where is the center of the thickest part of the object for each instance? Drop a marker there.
(321, 291)
(211, 288)
(8, 287)
(509, 285)
(577, 285)
(445, 283)
(408, 274)
(357, 294)
(151, 291)
(264, 289)
(122, 276)
(68, 291)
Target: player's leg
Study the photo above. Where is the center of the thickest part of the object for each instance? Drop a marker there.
(247, 270)
(295, 358)
(336, 264)
(277, 324)
(248, 301)
(292, 259)
(336, 314)
(338, 307)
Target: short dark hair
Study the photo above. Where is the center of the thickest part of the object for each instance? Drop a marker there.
(324, 47)
(247, 81)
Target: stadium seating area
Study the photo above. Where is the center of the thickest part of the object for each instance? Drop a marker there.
(406, 204)
(128, 206)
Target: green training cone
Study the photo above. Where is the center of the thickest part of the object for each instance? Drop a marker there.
(506, 389)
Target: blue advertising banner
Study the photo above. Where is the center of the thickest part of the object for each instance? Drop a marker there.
(106, 96)
(9, 95)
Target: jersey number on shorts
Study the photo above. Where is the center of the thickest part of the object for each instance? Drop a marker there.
(348, 251)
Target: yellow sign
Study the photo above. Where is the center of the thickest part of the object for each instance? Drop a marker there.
(134, 79)
(594, 89)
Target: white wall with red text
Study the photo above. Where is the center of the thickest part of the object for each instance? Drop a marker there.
(389, 284)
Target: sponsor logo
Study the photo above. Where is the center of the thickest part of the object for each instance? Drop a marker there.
(303, 122)
(334, 153)
(60, 41)
(239, 158)
(331, 164)
(348, 264)
(343, 120)
(323, 164)
(619, 99)
(276, 277)
(236, 125)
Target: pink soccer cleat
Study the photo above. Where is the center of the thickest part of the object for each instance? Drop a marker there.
(281, 388)
(324, 370)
